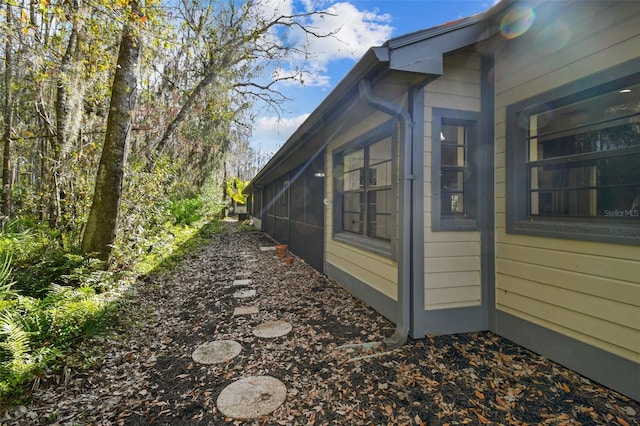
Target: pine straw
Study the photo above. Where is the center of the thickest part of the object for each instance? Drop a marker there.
(147, 375)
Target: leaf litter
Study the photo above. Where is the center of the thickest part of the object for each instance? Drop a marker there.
(147, 376)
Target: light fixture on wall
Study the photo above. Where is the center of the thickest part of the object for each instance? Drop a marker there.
(441, 137)
(319, 173)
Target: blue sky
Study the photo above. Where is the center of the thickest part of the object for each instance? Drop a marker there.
(360, 24)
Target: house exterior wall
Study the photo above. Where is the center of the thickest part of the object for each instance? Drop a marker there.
(451, 258)
(371, 277)
(586, 291)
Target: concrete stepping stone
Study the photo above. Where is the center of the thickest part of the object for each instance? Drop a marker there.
(216, 352)
(251, 397)
(272, 329)
(244, 274)
(240, 283)
(267, 248)
(245, 310)
(245, 294)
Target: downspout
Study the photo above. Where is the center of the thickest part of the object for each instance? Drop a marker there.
(399, 337)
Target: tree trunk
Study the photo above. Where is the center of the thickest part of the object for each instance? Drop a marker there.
(8, 119)
(100, 231)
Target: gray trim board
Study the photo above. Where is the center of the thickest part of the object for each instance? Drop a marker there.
(486, 171)
(620, 374)
(456, 320)
(417, 328)
(372, 297)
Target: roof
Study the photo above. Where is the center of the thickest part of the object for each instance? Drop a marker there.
(397, 55)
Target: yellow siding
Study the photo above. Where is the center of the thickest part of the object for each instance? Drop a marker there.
(452, 259)
(376, 271)
(589, 291)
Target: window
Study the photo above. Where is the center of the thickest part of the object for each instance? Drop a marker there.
(364, 192)
(367, 190)
(453, 178)
(579, 161)
(584, 158)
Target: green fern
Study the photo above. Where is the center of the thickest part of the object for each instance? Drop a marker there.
(15, 343)
(6, 291)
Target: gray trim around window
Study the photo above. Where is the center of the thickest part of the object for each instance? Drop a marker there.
(469, 221)
(386, 249)
(517, 218)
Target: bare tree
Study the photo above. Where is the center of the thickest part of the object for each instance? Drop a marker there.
(233, 46)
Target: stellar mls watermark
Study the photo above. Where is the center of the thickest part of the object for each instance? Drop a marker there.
(622, 213)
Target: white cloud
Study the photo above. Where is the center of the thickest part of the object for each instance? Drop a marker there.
(301, 78)
(270, 133)
(349, 33)
(269, 9)
(355, 31)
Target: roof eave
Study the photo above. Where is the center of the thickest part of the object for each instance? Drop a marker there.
(371, 60)
(398, 55)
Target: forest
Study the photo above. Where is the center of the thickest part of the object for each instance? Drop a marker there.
(121, 122)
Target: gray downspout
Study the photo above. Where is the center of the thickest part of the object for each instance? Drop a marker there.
(399, 337)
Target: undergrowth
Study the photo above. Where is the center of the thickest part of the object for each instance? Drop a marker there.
(52, 298)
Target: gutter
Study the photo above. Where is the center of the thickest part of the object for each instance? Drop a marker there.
(399, 337)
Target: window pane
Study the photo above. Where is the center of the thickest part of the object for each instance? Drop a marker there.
(452, 203)
(452, 180)
(380, 151)
(380, 174)
(602, 123)
(596, 187)
(352, 202)
(353, 180)
(352, 212)
(379, 214)
(619, 185)
(353, 160)
(452, 134)
(452, 155)
(609, 106)
(576, 168)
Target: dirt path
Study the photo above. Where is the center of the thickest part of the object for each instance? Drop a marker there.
(147, 374)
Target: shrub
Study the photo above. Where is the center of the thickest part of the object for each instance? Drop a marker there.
(186, 211)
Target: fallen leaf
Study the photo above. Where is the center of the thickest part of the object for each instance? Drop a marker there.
(482, 418)
(622, 421)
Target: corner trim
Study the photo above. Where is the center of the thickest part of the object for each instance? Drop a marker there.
(613, 371)
(456, 320)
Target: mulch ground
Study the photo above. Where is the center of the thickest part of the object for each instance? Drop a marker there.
(146, 375)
